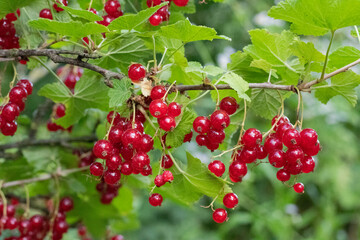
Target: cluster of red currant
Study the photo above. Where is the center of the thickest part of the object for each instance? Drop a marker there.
(82, 232)
(113, 10)
(230, 200)
(163, 14)
(127, 138)
(16, 104)
(58, 112)
(70, 75)
(108, 192)
(8, 38)
(38, 226)
(46, 12)
(211, 131)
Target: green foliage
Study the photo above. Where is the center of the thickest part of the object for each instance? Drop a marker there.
(120, 93)
(9, 6)
(237, 83)
(84, 14)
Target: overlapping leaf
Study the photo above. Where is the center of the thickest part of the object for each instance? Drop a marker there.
(8, 6)
(120, 93)
(344, 56)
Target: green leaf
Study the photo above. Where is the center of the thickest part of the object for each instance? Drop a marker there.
(90, 92)
(84, 14)
(186, 32)
(241, 65)
(120, 93)
(73, 29)
(208, 70)
(343, 56)
(42, 158)
(132, 21)
(176, 137)
(15, 170)
(265, 103)
(343, 84)
(191, 184)
(275, 49)
(306, 52)
(317, 17)
(237, 83)
(9, 6)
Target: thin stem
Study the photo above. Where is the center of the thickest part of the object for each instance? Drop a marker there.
(155, 62)
(227, 151)
(175, 163)
(357, 33)
(57, 203)
(269, 78)
(91, 2)
(132, 6)
(327, 56)
(111, 124)
(134, 114)
(168, 90)
(298, 107)
(218, 95)
(163, 56)
(101, 45)
(243, 123)
(4, 201)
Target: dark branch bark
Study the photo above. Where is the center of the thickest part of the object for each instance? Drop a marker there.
(226, 86)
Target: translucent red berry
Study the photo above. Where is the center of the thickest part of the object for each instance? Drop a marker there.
(155, 200)
(201, 125)
(157, 92)
(278, 123)
(168, 176)
(188, 137)
(277, 159)
(46, 13)
(219, 120)
(181, 3)
(96, 169)
(216, 136)
(112, 176)
(217, 168)
(309, 137)
(299, 188)
(282, 129)
(102, 149)
(174, 109)
(136, 72)
(26, 84)
(158, 108)
(247, 155)
(10, 112)
(282, 175)
(251, 138)
(140, 160)
(66, 204)
(58, 4)
(230, 200)
(152, 3)
(131, 138)
(17, 95)
(113, 8)
(156, 19)
(159, 181)
(220, 215)
(166, 162)
(113, 162)
(167, 123)
(308, 164)
(237, 169)
(291, 138)
(201, 140)
(312, 150)
(229, 105)
(146, 144)
(272, 144)
(261, 153)
(9, 128)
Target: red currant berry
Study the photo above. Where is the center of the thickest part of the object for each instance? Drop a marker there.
(201, 125)
(282, 129)
(93, 10)
(60, 110)
(156, 19)
(217, 168)
(312, 151)
(56, 5)
(219, 120)
(174, 109)
(220, 215)
(115, 135)
(11, 17)
(113, 115)
(168, 176)
(96, 169)
(164, 13)
(216, 136)
(137, 126)
(118, 237)
(282, 175)
(66, 204)
(152, 3)
(309, 137)
(146, 171)
(127, 152)
(201, 140)
(277, 159)
(147, 143)
(113, 162)
(36, 222)
(26, 84)
(46, 13)
(157, 92)
(167, 123)
(230, 200)
(159, 180)
(9, 128)
(131, 138)
(212, 146)
(247, 155)
(126, 168)
(308, 164)
(294, 168)
(112, 176)
(261, 153)
(166, 162)
(281, 121)
(11, 223)
(158, 108)
(251, 138)
(10, 112)
(139, 116)
(102, 149)
(294, 154)
(61, 227)
(181, 3)
(299, 188)
(113, 8)
(18, 95)
(188, 137)
(136, 72)
(24, 226)
(272, 144)
(229, 105)
(291, 138)
(155, 199)
(140, 160)
(237, 169)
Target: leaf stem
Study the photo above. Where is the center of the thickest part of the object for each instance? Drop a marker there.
(327, 56)
(357, 33)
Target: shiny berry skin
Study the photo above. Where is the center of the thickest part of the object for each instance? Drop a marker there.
(61, 227)
(164, 13)
(219, 120)
(10, 210)
(115, 135)
(127, 152)
(155, 200)
(26, 84)
(156, 19)
(219, 215)
(313, 150)
(216, 136)
(261, 153)
(113, 162)
(174, 109)
(146, 171)
(71, 81)
(291, 138)
(56, 6)
(212, 146)
(201, 140)
(294, 168)
(181, 3)
(282, 175)
(237, 169)
(112, 176)
(139, 116)
(294, 154)
(114, 115)
(167, 123)
(308, 164)
(146, 144)
(131, 138)
(36, 222)
(157, 92)
(217, 168)
(168, 176)
(118, 237)
(11, 223)
(277, 159)
(248, 155)
(60, 110)
(93, 10)
(136, 72)
(230, 200)
(102, 149)
(281, 121)
(272, 144)
(126, 168)
(152, 3)
(309, 137)
(46, 13)
(229, 105)
(17, 95)
(188, 137)
(299, 188)
(113, 7)
(158, 108)
(140, 160)
(282, 129)
(159, 180)
(251, 138)
(10, 112)
(201, 125)
(24, 226)
(96, 169)
(9, 128)
(137, 126)
(166, 162)
(66, 204)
